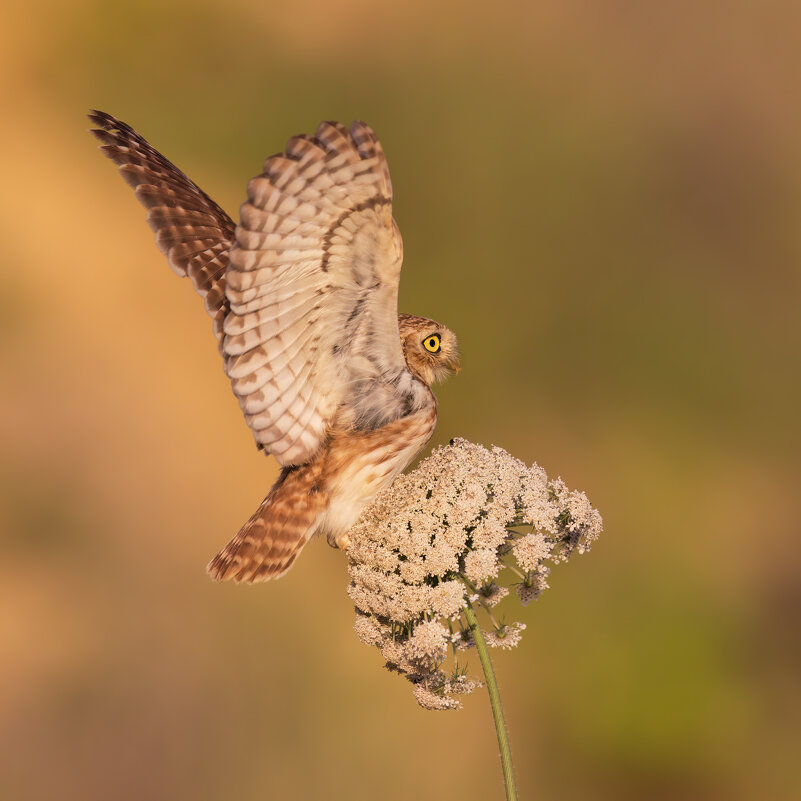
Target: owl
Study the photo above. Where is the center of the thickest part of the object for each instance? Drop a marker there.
(303, 294)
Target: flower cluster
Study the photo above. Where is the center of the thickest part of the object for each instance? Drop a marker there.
(440, 539)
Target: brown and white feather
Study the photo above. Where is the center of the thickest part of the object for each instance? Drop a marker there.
(313, 290)
(192, 231)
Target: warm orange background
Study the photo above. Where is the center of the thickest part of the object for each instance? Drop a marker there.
(602, 199)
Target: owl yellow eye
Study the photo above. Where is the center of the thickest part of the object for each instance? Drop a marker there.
(431, 344)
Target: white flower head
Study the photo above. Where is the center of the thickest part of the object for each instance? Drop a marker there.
(429, 642)
(481, 565)
(530, 550)
(460, 529)
(506, 637)
(492, 594)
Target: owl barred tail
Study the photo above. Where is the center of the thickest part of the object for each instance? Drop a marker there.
(268, 544)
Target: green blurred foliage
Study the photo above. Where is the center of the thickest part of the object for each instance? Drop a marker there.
(602, 199)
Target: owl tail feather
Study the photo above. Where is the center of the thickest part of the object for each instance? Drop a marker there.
(268, 544)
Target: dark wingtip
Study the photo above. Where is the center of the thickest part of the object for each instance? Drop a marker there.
(100, 118)
(109, 123)
(104, 122)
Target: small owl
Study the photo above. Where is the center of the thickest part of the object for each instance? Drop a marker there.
(304, 299)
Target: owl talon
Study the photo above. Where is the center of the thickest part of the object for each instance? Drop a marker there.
(340, 541)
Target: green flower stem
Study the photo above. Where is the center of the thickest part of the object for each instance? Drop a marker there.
(484, 603)
(495, 703)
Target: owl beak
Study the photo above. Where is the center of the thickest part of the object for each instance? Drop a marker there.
(455, 363)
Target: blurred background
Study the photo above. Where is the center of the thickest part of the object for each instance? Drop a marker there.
(602, 199)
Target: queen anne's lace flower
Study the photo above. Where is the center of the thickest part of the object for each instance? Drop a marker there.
(506, 637)
(429, 642)
(492, 594)
(531, 589)
(439, 538)
(481, 565)
(530, 550)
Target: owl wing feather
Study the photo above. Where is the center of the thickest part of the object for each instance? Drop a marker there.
(312, 289)
(192, 231)
(303, 291)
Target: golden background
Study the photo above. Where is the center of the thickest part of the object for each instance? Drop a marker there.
(603, 200)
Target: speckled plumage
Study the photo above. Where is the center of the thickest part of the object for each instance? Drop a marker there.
(303, 294)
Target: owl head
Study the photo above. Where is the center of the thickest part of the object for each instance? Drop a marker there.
(430, 349)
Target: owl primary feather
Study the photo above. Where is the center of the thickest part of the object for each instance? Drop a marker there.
(303, 294)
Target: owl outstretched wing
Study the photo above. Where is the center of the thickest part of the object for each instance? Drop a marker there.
(192, 231)
(311, 332)
(303, 291)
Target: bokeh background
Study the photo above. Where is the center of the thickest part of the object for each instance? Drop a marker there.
(602, 199)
